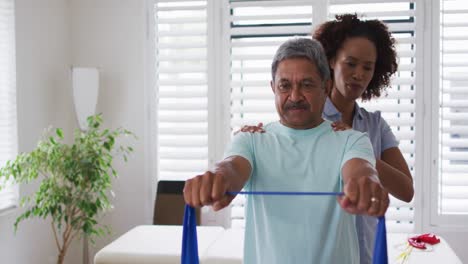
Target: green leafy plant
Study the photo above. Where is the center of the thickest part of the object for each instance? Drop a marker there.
(75, 181)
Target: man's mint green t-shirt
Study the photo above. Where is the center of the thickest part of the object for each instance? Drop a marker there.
(299, 229)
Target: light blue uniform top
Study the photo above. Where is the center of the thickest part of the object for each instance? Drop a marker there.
(382, 138)
(299, 229)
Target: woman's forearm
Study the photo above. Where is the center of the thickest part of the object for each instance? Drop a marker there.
(397, 183)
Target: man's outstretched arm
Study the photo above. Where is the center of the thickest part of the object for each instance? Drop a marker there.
(210, 188)
(363, 191)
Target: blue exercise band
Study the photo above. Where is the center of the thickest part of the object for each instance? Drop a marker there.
(287, 193)
(190, 244)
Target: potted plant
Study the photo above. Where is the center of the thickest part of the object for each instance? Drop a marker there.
(75, 181)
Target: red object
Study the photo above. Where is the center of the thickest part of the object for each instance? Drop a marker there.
(421, 240)
(416, 244)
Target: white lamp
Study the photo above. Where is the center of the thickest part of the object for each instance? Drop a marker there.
(85, 84)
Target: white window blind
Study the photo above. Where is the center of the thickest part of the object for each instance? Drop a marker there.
(398, 104)
(182, 107)
(8, 130)
(453, 122)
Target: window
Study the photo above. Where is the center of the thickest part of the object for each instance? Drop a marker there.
(259, 27)
(217, 69)
(451, 175)
(8, 132)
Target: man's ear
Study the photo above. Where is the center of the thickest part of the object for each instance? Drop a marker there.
(272, 85)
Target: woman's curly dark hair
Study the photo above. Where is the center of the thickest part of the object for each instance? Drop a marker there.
(332, 35)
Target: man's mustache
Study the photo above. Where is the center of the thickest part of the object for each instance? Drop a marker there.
(297, 105)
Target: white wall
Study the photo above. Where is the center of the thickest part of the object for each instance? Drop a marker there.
(43, 92)
(51, 36)
(110, 35)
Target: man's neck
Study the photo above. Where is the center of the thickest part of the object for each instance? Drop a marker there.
(307, 126)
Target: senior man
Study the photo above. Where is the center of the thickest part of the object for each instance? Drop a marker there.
(298, 153)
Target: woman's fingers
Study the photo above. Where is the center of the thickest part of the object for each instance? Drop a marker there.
(340, 126)
(252, 129)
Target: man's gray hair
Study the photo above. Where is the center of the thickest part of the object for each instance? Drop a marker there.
(302, 48)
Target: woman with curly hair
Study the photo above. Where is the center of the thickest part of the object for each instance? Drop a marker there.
(362, 58)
